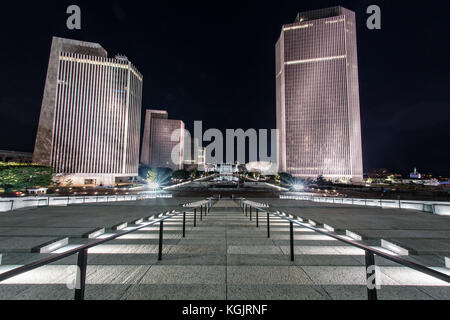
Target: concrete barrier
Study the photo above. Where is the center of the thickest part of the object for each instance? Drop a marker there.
(390, 204)
(11, 204)
(439, 208)
(58, 201)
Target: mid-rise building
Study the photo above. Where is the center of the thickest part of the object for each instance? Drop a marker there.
(89, 127)
(162, 146)
(318, 108)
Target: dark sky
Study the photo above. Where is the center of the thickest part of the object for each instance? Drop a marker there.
(215, 61)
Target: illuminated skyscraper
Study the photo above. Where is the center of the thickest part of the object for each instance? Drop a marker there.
(159, 150)
(90, 117)
(318, 111)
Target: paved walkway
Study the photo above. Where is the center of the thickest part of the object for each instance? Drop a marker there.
(225, 257)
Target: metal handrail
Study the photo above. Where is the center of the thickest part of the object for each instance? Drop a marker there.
(370, 252)
(82, 251)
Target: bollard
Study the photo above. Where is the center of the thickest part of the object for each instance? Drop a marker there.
(257, 217)
(81, 274)
(201, 213)
(161, 231)
(291, 229)
(268, 225)
(250, 213)
(184, 224)
(195, 217)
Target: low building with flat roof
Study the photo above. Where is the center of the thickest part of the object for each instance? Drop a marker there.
(161, 146)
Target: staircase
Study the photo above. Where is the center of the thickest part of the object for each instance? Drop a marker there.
(225, 257)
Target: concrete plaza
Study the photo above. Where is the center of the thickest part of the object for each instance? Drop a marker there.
(225, 257)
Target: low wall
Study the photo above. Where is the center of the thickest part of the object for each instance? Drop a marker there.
(11, 204)
(439, 208)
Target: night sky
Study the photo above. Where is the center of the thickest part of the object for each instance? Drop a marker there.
(215, 61)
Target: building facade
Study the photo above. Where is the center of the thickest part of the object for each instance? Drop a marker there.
(89, 127)
(318, 108)
(162, 147)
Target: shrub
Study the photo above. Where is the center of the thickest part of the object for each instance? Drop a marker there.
(20, 176)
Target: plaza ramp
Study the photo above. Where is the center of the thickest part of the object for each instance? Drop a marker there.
(225, 257)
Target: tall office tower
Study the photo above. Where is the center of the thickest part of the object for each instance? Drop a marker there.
(89, 127)
(159, 150)
(318, 112)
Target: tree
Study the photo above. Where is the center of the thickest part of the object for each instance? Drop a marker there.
(20, 176)
(69, 183)
(287, 178)
(194, 174)
(158, 175)
(320, 181)
(180, 175)
(151, 176)
(277, 178)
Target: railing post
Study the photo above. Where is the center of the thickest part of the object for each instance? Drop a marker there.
(291, 231)
(161, 231)
(257, 217)
(268, 225)
(195, 217)
(184, 224)
(370, 276)
(80, 281)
